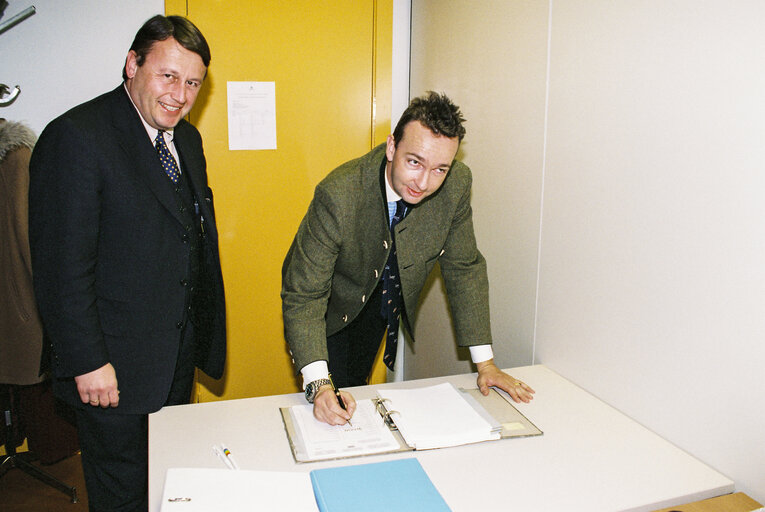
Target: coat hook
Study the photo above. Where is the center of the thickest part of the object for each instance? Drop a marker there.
(12, 96)
(15, 20)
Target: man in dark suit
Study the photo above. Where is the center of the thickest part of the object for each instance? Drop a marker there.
(376, 227)
(125, 256)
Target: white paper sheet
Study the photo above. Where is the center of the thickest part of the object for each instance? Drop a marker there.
(251, 115)
(436, 417)
(367, 433)
(204, 490)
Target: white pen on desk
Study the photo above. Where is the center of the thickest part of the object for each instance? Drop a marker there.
(217, 451)
(229, 455)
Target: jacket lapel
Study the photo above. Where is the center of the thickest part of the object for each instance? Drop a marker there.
(193, 164)
(136, 143)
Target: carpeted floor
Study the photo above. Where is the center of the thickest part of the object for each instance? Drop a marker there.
(20, 492)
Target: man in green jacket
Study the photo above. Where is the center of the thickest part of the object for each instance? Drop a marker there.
(373, 232)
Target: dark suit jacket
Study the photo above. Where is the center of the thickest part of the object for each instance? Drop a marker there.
(110, 251)
(342, 245)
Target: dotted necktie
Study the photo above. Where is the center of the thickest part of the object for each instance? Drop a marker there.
(167, 160)
(391, 299)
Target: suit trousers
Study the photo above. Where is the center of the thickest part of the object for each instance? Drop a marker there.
(115, 447)
(352, 350)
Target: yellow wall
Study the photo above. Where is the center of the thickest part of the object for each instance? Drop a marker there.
(331, 64)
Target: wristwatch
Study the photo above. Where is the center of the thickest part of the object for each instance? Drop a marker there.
(313, 387)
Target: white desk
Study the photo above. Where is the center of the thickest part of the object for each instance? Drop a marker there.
(591, 457)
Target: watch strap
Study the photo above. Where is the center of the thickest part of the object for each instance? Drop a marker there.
(313, 387)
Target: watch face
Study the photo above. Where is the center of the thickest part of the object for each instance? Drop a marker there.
(312, 387)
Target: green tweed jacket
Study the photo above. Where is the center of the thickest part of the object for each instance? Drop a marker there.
(342, 244)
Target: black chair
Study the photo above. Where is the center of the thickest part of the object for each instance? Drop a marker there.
(23, 460)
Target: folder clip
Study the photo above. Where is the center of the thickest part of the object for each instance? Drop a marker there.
(385, 413)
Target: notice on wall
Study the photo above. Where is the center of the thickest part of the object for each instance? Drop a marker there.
(251, 115)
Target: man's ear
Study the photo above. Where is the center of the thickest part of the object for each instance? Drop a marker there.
(131, 64)
(390, 148)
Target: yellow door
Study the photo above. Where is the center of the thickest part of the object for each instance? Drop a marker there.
(330, 62)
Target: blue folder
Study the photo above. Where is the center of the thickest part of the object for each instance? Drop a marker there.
(401, 485)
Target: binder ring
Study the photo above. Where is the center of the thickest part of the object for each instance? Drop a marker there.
(380, 404)
(389, 421)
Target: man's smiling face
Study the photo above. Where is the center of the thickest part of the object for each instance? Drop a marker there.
(166, 86)
(418, 164)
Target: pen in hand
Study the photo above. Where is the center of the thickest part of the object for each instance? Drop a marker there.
(339, 398)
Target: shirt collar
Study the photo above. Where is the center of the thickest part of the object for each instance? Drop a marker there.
(150, 130)
(390, 194)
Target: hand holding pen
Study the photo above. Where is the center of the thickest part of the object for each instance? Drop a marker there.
(339, 398)
(333, 406)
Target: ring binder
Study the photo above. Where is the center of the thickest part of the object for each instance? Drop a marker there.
(433, 417)
(383, 411)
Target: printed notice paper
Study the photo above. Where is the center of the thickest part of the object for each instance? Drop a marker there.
(251, 115)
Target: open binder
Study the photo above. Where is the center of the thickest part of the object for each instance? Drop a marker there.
(404, 420)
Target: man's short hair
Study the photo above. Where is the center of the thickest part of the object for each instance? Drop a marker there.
(160, 28)
(437, 112)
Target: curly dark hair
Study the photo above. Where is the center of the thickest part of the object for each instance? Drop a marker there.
(437, 112)
(160, 28)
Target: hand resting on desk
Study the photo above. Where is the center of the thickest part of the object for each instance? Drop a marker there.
(490, 375)
(327, 410)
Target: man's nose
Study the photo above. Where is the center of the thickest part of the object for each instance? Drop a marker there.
(179, 92)
(422, 180)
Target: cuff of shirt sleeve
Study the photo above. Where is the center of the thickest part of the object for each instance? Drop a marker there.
(480, 353)
(315, 371)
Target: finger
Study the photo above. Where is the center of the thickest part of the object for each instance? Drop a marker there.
(350, 403)
(524, 391)
(319, 412)
(525, 396)
(103, 400)
(323, 412)
(339, 415)
(348, 399)
(335, 416)
(114, 398)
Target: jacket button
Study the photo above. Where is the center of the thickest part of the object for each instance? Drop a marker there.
(363, 298)
(385, 244)
(345, 318)
(185, 238)
(179, 325)
(184, 282)
(377, 274)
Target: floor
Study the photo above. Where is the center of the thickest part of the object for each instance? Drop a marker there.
(20, 492)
